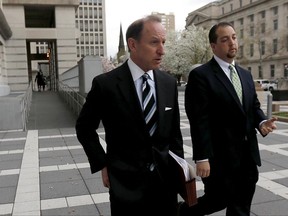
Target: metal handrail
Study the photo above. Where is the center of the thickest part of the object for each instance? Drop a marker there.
(25, 106)
(74, 100)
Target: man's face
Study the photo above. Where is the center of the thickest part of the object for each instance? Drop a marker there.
(226, 46)
(148, 51)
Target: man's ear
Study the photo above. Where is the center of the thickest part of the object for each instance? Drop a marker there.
(132, 44)
(212, 45)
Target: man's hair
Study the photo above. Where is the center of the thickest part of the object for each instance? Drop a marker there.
(135, 29)
(212, 33)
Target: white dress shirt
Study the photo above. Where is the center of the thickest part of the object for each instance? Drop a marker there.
(137, 73)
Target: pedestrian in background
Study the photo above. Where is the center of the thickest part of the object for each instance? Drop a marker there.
(223, 121)
(135, 166)
(39, 80)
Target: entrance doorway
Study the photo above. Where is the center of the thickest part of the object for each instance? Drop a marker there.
(41, 56)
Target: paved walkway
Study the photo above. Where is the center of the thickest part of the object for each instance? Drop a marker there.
(44, 170)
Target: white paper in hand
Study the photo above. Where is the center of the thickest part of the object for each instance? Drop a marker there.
(189, 171)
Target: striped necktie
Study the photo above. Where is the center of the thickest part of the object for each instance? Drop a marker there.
(149, 105)
(236, 82)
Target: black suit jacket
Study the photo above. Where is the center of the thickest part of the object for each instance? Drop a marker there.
(113, 100)
(219, 123)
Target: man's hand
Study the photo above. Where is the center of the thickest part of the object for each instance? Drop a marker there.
(268, 126)
(203, 169)
(105, 178)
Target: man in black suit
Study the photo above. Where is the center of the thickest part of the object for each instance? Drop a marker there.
(135, 166)
(223, 129)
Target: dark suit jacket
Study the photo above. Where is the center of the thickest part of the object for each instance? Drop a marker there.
(114, 101)
(219, 123)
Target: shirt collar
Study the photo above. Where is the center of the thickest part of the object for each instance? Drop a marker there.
(137, 72)
(222, 63)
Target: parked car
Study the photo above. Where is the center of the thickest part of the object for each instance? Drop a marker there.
(266, 85)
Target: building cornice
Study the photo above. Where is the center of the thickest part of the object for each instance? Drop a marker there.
(207, 18)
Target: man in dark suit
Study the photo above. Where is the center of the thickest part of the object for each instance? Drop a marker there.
(223, 125)
(135, 165)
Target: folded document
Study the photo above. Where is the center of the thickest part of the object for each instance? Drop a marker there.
(187, 179)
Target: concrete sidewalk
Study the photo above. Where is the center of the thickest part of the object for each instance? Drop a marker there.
(44, 170)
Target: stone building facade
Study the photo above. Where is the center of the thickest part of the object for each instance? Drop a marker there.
(30, 21)
(262, 31)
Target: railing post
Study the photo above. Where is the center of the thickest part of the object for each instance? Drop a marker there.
(269, 105)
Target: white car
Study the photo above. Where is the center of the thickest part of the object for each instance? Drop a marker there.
(266, 85)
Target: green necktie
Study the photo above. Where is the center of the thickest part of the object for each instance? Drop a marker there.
(236, 82)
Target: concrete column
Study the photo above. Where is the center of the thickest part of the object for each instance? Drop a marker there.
(89, 67)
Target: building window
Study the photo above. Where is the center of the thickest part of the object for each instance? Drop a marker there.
(275, 10)
(275, 24)
(86, 25)
(86, 38)
(80, 12)
(100, 26)
(82, 51)
(32, 15)
(251, 17)
(272, 71)
(81, 25)
(251, 31)
(260, 72)
(85, 13)
(286, 43)
(91, 38)
(262, 47)
(262, 14)
(240, 3)
(241, 51)
(91, 25)
(262, 28)
(241, 21)
(251, 50)
(231, 7)
(95, 13)
(286, 70)
(100, 13)
(223, 10)
(95, 25)
(241, 33)
(249, 69)
(275, 43)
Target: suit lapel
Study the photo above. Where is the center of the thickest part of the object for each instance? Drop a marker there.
(128, 92)
(161, 96)
(221, 76)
